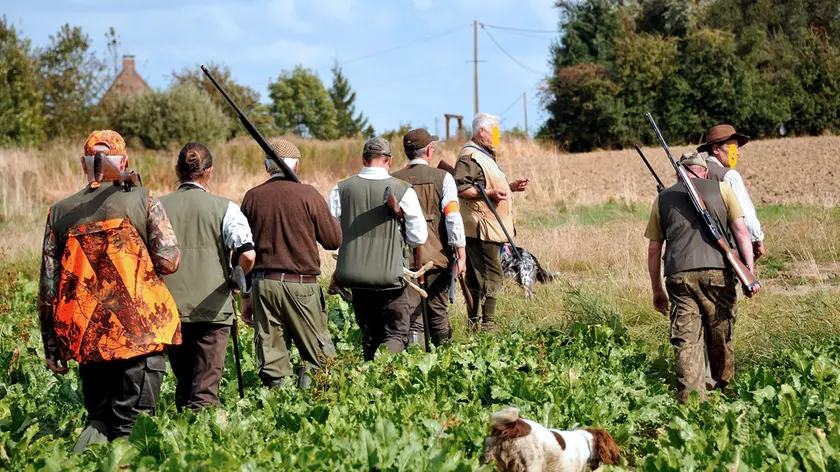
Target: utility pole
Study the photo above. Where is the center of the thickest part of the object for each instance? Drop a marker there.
(525, 107)
(436, 126)
(475, 64)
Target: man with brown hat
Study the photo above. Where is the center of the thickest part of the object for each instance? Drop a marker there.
(477, 165)
(102, 300)
(372, 256)
(722, 143)
(438, 197)
(701, 286)
(288, 221)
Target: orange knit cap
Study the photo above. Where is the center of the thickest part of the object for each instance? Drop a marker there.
(112, 139)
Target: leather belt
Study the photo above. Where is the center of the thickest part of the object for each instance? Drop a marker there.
(285, 276)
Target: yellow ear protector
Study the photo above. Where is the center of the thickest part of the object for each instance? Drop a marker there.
(733, 155)
(496, 136)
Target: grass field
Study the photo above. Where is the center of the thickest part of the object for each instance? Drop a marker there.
(583, 216)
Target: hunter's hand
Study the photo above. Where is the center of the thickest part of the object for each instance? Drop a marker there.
(660, 301)
(247, 312)
(759, 250)
(497, 195)
(519, 185)
(58, 366)
(460, 267)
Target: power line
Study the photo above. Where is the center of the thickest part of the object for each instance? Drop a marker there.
(502, 114)
(397, 48)
(529, 35)
(522, 30)
(508, 54)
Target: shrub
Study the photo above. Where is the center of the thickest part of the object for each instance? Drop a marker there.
(171, 118)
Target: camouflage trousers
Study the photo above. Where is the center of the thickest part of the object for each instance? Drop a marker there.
(703, 306)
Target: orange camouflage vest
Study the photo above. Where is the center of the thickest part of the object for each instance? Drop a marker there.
(111, 303)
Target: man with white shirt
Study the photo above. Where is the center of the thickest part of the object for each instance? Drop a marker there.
(438, 198)
(372, 254)
(722, 143)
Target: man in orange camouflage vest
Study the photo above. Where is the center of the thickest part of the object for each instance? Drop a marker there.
(477, 164)
(102, 300)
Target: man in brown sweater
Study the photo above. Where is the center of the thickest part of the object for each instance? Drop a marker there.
(288, 219)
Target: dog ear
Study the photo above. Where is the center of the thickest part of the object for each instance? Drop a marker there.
(517, 429)
(604, 449)
(560, 440)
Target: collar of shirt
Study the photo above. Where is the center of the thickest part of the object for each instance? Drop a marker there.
(374, 173)
(712, 159)
(418, 162)
(277, 175)
(192, 184)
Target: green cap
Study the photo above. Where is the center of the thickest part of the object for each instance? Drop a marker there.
(377, 147)
(693, 158)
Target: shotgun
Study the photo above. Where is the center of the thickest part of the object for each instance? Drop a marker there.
(240, 286)
(746, 277)
(492, 207)
(659, 186)
(253, 131)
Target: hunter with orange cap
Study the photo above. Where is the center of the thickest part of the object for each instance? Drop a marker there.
(102, 301)
(722, 143)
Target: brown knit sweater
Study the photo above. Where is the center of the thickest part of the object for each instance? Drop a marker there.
(287, 219)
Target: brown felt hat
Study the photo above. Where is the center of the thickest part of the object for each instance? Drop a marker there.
(719, 134)
(418, 139)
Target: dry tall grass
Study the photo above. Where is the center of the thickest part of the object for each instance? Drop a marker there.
(601, 255)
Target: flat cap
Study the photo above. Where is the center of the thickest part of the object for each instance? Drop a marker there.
(693, 158)
(418, 139)
(377, 147)
(285, 148)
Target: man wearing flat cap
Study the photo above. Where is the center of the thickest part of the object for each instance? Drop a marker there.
(288, 221)
(373, 254)
(722, 143)
(700, 284)
(438, 197)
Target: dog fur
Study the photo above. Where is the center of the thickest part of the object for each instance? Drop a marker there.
(519, 445)
(526, 271)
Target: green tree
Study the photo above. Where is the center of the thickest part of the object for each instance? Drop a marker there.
(21, 123)
(344, 99)
(302, 105)
(171, 118)
(589, 31)
(72, 79)
(245, 97)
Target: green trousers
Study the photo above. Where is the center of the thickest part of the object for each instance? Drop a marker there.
(284, 312)
(703, 306)
(484, 278)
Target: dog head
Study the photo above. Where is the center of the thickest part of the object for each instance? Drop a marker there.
(604, 449)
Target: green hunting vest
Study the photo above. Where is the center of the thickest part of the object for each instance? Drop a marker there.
(200, 286)
(689, 246)
(372, 253)
(428, 183)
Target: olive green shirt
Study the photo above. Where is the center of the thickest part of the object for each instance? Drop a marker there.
(654, 230)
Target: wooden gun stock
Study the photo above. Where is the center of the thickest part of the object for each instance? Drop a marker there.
(446, 166)
(391, 202)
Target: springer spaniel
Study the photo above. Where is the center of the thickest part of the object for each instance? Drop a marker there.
(519, 445)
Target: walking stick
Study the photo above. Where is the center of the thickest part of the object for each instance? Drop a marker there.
(492, 207)
(240, 286)
(424, 303)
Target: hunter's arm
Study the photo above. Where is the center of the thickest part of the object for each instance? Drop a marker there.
(327, 227)
(467, 174)
(48, 290)
(744, 241)
(163, 246)
(654, 263)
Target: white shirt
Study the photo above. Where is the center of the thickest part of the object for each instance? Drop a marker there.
(733, 178)
(454, 222)
(415, 223)
(235, 229)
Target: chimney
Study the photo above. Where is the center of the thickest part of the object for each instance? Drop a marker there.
(128, 63)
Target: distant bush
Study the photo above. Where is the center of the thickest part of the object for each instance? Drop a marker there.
(171, 118)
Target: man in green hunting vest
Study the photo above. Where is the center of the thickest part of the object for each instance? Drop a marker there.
(700, 284)
(438, 197)
(477, 164)
(373, 253)
(288, 220)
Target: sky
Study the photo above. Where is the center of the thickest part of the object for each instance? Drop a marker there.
(408, 60)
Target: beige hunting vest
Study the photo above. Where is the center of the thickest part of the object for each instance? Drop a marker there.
(479, 221)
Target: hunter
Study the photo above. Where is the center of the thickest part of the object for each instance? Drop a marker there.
(289, 220)
(438, 197)
(477, 165)
(701, 286)
(210, 230)
(102, 300)
(722, 143)
(373, 254)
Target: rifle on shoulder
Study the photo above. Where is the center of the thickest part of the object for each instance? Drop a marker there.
(746, 277)
(659, 186)
(253, 131)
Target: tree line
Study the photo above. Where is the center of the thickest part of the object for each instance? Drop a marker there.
(768, 67)
(55, 91)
